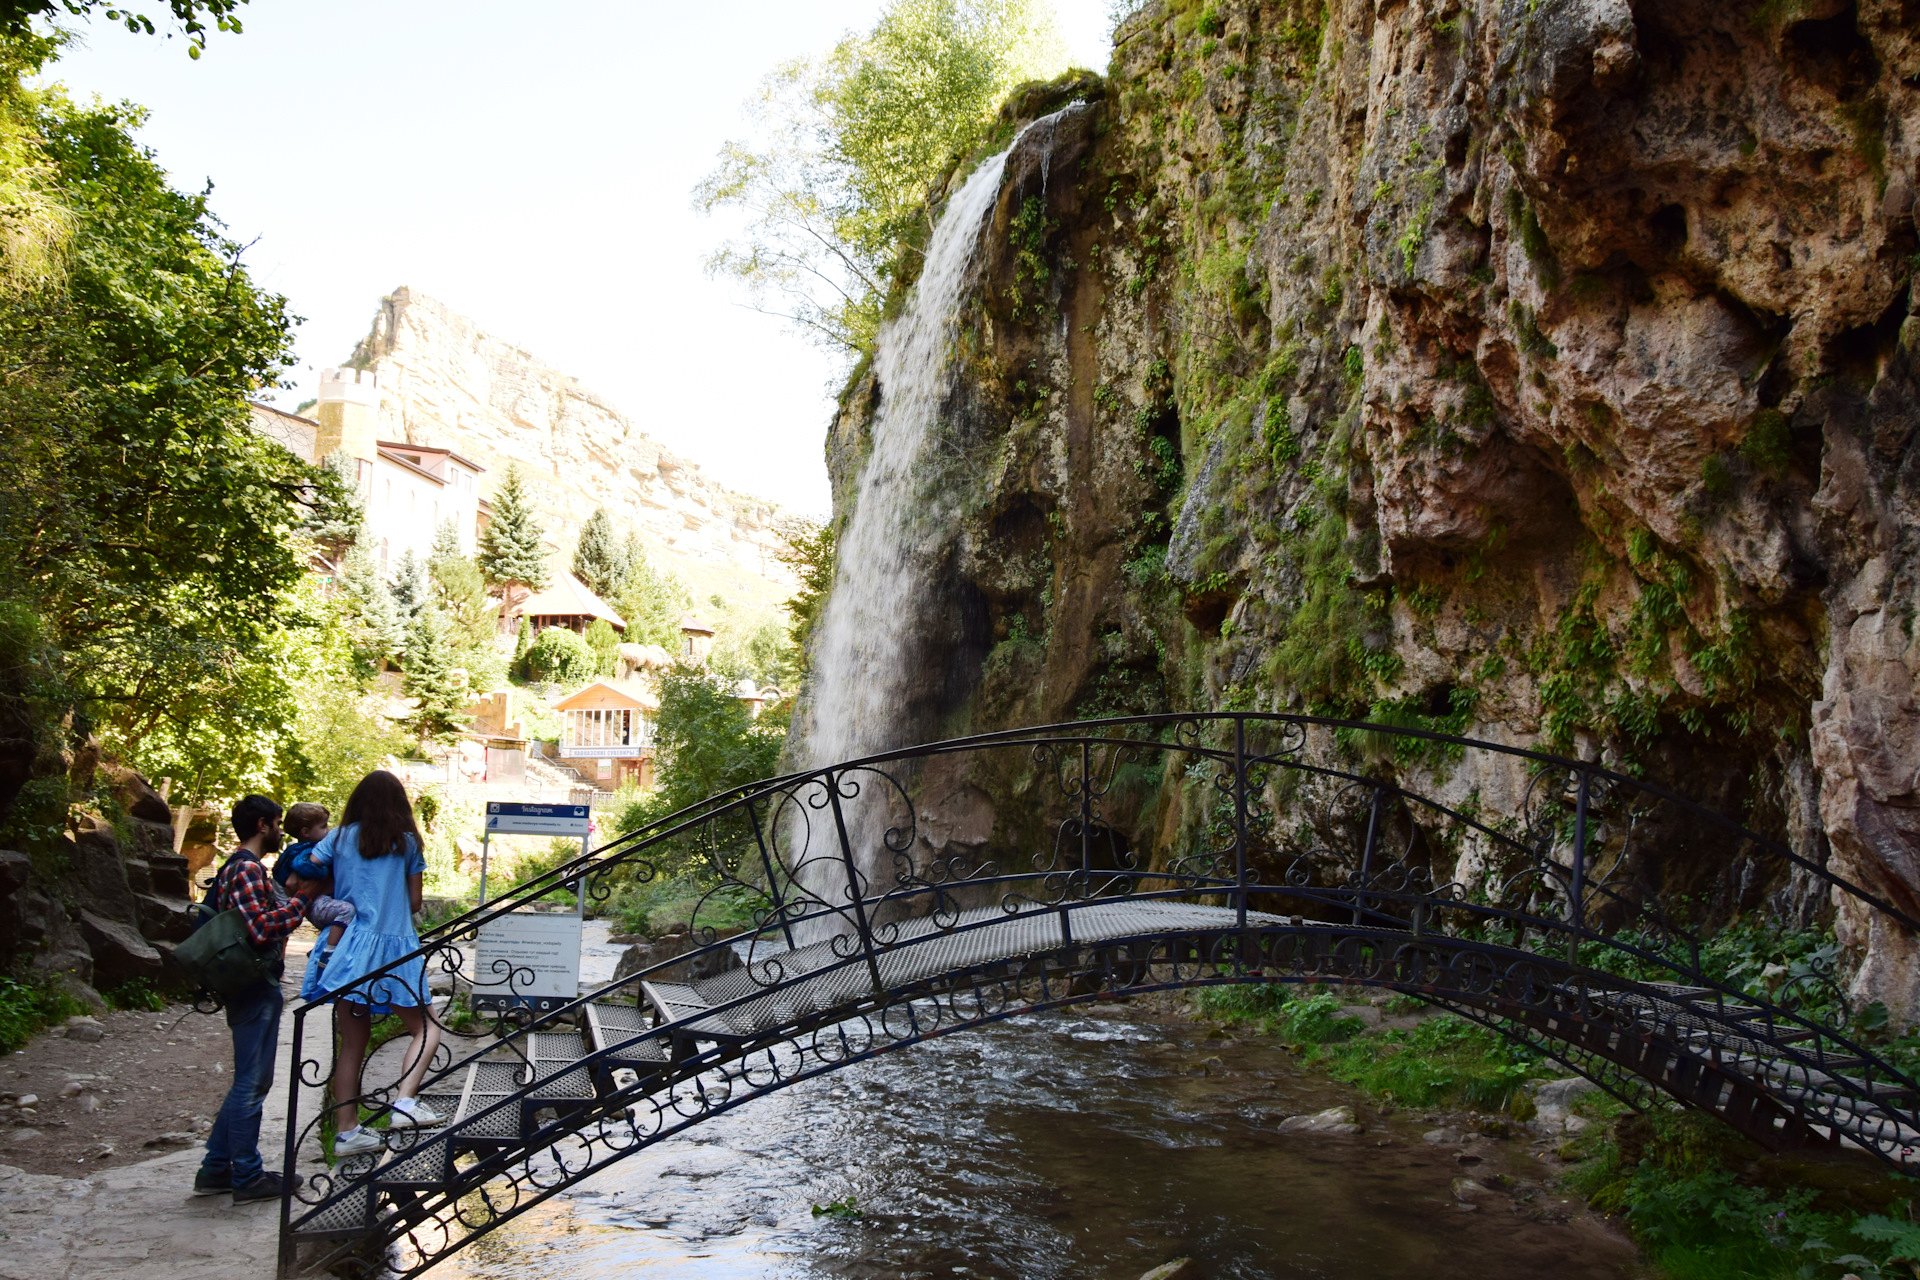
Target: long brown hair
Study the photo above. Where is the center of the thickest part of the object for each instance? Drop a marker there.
(380, 805)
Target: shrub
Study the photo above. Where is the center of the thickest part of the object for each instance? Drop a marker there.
(561, 656)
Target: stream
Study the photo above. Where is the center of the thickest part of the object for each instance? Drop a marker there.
(1091, 1143)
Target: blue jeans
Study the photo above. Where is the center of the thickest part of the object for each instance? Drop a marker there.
(233, 1147)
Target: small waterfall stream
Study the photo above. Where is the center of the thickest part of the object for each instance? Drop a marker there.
(902, 517)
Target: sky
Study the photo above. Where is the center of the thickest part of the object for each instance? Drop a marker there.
(529, 165)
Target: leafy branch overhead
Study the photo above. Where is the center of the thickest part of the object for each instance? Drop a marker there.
(835, 184)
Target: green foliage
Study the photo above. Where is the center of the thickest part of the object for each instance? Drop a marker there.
(809, 552)
(17, 17)
(599, 560)
(439, 687)
(849, 145)
(27, 1007)
(379, 631)
(1769, 441)
(605, 643)
(135, 993)
(522, 641)
(1441, 1060)
(847, 1208)
(473, 621)
(511, 554)
(652, 601)
(1525, 224)
(411, 588)
(560, 656)
(338, 513)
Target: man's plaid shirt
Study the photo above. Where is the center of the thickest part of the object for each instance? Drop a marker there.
(244, 884)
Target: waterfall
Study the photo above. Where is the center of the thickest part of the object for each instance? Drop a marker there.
(906, 512)
(903, 518)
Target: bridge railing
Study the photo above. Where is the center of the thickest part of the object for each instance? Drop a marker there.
(1474, 848)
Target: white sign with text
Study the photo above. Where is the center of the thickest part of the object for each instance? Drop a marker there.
(526, 956)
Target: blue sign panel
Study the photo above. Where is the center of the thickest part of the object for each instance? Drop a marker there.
(506, 818)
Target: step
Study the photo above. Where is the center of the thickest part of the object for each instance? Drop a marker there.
(609, 1025)
(348, 1215)
(680, 1006)
(489, 1082)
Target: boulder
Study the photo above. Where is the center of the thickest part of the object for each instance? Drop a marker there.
(119, 953)
(85, 1029)
(98, 872)
(136, 796)
(642, 956)
(164, 918)
(1337, 1120)
(16, 869)
(1553, 1102)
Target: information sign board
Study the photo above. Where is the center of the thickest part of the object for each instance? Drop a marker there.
(527, 958)
(507, 818)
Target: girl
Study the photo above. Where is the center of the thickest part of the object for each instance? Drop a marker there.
(378, 865)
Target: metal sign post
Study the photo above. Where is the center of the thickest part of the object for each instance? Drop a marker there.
(530, 958)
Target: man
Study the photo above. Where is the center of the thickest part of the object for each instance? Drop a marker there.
(232, 1161)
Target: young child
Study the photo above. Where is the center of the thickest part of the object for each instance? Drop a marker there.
(308, 825)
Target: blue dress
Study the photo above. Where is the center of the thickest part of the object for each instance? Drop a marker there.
(381, 930)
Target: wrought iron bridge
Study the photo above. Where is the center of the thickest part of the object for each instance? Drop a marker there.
(1567, 907)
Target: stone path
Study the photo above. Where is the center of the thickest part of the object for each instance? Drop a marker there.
(141, 1221)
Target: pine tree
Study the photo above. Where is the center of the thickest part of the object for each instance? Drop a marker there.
(461, 591)
(446, 542)
(337, 514)
(381, 632)
(511, 555)
(652, 602)
(434, 679)
(412, 589)
(605, 643)
(598, 560)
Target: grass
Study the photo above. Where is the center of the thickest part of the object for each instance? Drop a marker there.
(1444, 1060)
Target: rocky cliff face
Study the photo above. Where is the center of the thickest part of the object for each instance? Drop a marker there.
(446, 382)
(1542, 372)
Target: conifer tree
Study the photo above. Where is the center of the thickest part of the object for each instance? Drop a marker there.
(652, 601)
(461, 592)
(412, 589)
(434, 679)
(446, 542)
(599, 560)
(337, 514)
(511, 555)
(381, 632)
(522, 643)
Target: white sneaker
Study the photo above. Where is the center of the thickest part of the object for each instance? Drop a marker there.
(358, 1142)
(417, 1116)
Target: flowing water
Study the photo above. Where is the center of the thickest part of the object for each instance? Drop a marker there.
(902, 514)
(1090, 1145)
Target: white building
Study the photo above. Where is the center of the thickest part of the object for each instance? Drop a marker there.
(409, 489)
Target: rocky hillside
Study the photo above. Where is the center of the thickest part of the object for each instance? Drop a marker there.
(446, 382)
(1543, 371)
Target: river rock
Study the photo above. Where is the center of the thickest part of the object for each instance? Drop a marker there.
(1442, 1137)
(1467, 1191)
(1178, 1269)
(642, 956)
(85, 1029)
(1336, 1120)
(1553, 1102)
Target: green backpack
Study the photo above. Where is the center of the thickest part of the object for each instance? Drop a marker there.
(219, 954)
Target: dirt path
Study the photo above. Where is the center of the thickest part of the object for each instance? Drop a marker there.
(87, 1197)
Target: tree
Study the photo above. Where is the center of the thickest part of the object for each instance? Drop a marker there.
(511, 552)
(433, 679)
(461, 592)
(652, 601)
(523, 641)
(598, 560)
(808, 549)
(338, 514)
(17, 16)
(412, 588)
(605, 643)
(149, 531)
(850, 146)
(560, 656)
(380, 632)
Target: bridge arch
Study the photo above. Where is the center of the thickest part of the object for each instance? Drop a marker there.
(1316, 851)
